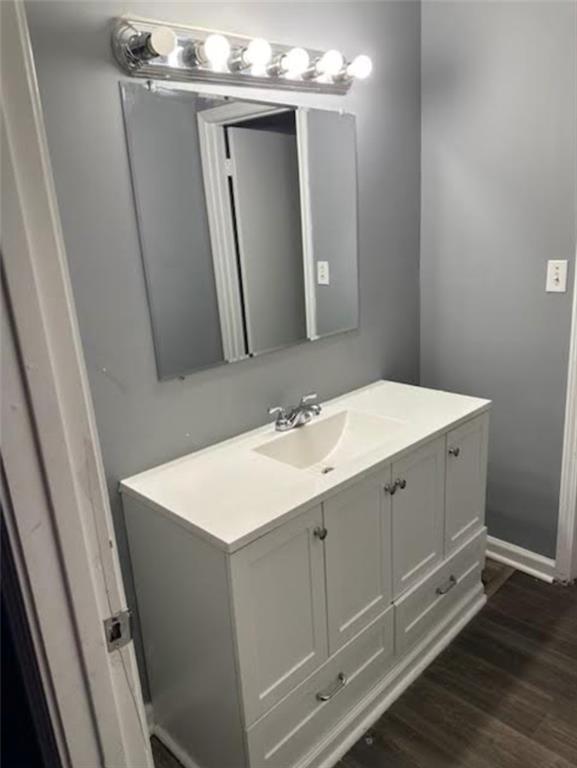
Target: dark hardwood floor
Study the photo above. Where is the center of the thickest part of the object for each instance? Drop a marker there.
(162, 757)
(503, 695)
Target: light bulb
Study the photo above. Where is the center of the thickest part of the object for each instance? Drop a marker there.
(330, 63)
(360, 67)
(216, 51)
(295, 62)
(148, 45)
(162, 41)
(257, 55)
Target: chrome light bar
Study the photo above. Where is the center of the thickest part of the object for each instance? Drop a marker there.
(151, 49)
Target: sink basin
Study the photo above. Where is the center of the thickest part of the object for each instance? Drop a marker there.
(324, 445)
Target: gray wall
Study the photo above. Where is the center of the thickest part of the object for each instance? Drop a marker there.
(499, 144)
(142, 421)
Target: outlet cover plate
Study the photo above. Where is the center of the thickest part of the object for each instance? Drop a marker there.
(556, 276)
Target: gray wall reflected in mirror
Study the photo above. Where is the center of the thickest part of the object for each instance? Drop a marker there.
(247, 218)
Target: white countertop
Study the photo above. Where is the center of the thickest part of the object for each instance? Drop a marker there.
(230, 495)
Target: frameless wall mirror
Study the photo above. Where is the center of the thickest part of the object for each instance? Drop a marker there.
(247, 215)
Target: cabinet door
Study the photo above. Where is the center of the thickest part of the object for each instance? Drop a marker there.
(418, 482)
(357, 557)
(280, 611)
(466, 481)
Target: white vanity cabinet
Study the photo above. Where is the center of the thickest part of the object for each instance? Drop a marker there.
(277, 647)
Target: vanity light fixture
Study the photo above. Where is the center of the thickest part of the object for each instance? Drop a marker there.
(330, 64)
(291, 63)
(161, 41)
(294, 63)
(360, 67)
(213, 52)
(154, 50)
(256, 56)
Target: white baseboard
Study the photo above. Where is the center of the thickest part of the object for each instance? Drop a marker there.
(183, 757)
(522, 559)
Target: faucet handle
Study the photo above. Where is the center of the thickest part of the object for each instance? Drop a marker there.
(307, 400)
(281, 415)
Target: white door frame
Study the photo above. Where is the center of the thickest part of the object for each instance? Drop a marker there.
(215, 172)
(59, 518)
(566, 558)
(303, 144)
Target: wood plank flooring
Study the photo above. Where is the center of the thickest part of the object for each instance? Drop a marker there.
(503, 695)
(163, 758)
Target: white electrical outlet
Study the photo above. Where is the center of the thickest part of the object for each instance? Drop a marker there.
(556, 276)
(323, 275)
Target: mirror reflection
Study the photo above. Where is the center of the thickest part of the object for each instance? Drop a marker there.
(247, 221)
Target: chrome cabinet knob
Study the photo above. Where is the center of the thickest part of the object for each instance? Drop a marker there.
(320, 532)
(454, 451)
(391, 488)
(401, 483)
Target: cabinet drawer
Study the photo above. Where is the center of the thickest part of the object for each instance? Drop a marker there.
(417, 612)
(296, 724)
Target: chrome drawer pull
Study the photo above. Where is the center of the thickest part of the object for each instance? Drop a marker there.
(454, 452)
(340, 683)
(391, 488)
(447, 587)
(401, 483)
(320, 532)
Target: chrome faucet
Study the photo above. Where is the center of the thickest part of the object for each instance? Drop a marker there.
(295, 415)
